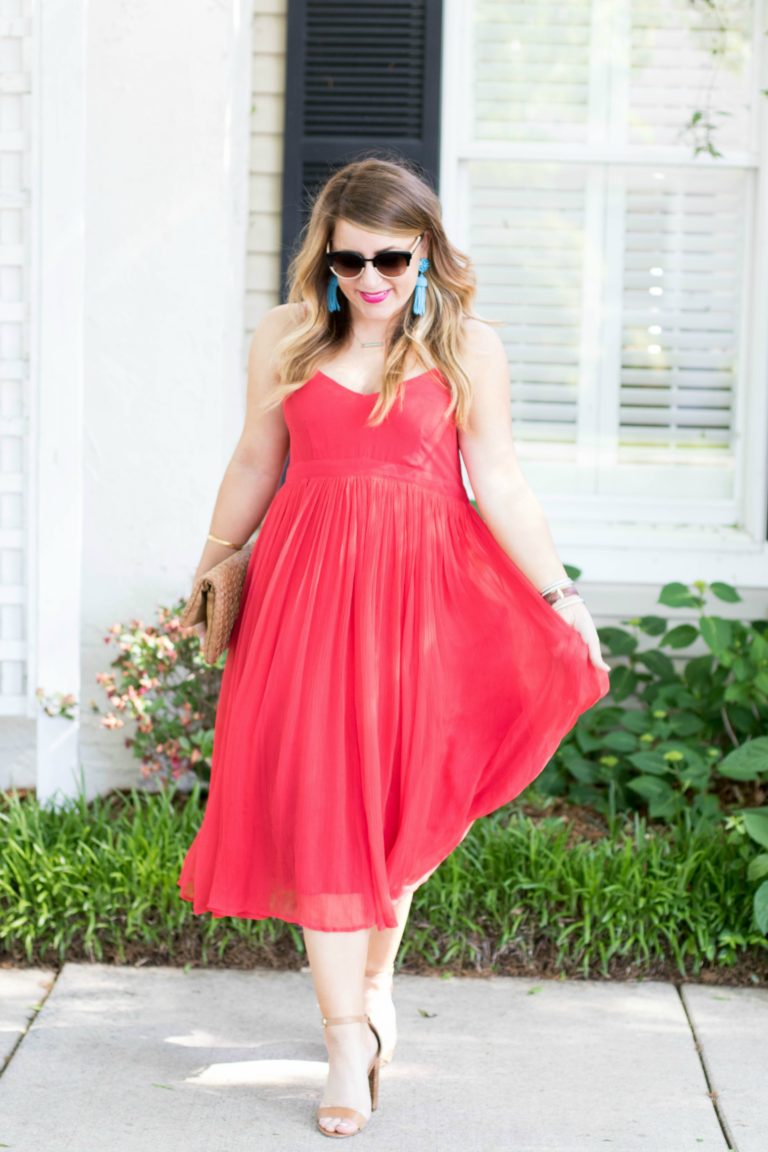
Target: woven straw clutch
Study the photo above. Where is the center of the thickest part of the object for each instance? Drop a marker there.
(215, 599)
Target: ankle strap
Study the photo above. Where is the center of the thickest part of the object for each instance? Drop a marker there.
(344, 1020)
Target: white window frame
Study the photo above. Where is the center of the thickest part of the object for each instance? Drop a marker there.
(660, 550)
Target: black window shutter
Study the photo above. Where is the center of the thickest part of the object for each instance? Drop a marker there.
(360, 75)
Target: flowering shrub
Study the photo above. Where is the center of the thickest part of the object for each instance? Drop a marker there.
(161, 683)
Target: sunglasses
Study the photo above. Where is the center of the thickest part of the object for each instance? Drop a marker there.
(350, 265)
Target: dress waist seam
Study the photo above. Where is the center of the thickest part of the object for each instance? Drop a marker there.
(346, 469)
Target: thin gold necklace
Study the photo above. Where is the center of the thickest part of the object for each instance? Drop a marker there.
(368, 343)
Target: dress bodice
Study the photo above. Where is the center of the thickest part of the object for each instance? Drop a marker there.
(417, 442)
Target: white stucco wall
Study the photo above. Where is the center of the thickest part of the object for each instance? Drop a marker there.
(165, 211)
(168, 116)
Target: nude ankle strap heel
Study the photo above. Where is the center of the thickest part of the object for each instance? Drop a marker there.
(342, 1112)
(380, 980)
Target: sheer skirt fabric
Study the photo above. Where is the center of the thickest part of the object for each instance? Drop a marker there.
(392, 675)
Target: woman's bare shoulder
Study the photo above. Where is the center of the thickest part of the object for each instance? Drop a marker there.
(481, 346)
(294, 313)
(479, 337)
(272, 326)
(282, 316)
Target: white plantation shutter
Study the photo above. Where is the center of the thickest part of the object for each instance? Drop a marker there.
(532, 71)
(683, 258)
(617, 260)
(528, 246)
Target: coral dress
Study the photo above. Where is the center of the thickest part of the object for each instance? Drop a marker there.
(391, 677)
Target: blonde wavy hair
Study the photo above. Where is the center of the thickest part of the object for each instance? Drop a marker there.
(380, 195)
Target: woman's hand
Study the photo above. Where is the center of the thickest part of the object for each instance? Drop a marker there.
(577, 615)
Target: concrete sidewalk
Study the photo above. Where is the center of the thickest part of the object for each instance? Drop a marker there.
(107, 1059)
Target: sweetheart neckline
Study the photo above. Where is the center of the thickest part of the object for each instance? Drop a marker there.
(367, 395)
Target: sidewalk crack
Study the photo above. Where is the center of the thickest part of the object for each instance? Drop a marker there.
(712, 1092)
(52, 977)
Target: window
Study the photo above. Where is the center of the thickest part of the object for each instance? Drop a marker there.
(624, 265)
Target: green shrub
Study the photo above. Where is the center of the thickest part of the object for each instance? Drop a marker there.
(659, 741)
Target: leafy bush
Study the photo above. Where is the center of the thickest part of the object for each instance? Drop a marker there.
(751, 824)
(667, 751)
(693, 740)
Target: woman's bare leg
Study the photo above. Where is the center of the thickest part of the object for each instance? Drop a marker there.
(337, 961)
(383, 943)
(383, 947)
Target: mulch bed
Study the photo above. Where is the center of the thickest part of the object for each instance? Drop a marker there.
(748, 971)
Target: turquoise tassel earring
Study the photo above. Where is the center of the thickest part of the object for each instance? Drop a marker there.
(420, 295)
(332, 295)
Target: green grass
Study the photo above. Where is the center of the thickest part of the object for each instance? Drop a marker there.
(636, 902)
(522, 894)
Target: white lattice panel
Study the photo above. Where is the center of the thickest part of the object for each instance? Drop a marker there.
(15, 144)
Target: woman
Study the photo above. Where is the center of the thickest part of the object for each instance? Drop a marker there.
(401, 664)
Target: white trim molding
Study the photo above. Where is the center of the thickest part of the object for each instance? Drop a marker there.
(56, 353)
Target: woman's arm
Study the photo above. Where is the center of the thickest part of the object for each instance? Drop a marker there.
(504, 498)
(253, 473)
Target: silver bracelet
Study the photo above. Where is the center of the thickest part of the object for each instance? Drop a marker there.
(566, 601)
(555, 584)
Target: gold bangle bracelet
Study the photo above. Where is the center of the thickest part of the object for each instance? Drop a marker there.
(218, 540)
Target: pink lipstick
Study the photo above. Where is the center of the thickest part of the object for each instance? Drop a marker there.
(375, 297)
